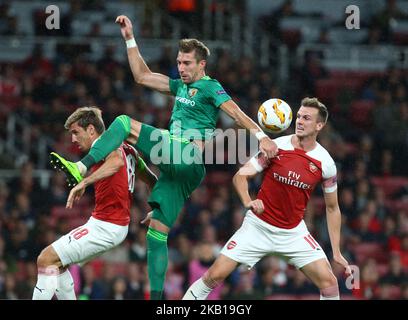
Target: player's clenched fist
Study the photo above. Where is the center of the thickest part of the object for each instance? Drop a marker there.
(338, 258)
(126, 27)
(256, 206)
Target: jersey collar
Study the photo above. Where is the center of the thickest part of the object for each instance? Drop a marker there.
(202, 78)
(94, 142)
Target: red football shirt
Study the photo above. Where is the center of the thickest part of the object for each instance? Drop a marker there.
(113, 195)
(289, 180)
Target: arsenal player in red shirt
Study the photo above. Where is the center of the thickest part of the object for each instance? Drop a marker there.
(113, 179)
(274, 224)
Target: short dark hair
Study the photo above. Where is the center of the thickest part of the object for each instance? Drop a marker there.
(315, 103)
(86, 116)
(189, 45)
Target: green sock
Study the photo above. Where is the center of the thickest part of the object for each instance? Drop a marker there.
(157, 261)
(110, 140)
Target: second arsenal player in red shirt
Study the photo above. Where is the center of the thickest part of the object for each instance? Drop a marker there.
(274, 224)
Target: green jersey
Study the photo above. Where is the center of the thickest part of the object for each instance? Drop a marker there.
(196, 107)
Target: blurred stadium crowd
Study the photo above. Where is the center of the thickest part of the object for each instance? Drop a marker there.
(367, 135)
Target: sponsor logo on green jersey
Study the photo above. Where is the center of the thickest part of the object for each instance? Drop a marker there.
(185, 101)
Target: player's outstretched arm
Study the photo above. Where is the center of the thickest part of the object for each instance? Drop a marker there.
(112, 164)
(240, 182)
(333, 215)
(140, 70)
(145, 174)
(266, 144)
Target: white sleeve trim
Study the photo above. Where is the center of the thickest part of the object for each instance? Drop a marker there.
(255, 164)
(330, 189)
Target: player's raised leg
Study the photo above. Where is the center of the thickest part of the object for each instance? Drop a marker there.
(221, 268)
(175, 185)
(157, 257)
(70, 169)
(121, 129)
(320, 273)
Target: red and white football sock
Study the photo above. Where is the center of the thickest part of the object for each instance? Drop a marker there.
(197, 291)
(330, 293)
(65, 289)
(46, 283)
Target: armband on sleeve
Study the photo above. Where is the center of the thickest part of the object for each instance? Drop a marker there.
(259, 161)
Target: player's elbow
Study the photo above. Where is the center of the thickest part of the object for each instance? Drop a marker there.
(235, 178)
(333, 209)
(139, 80)
(242, 119)
(238, 177)
(234, 112)
(142, 78)
(237, 115)
(118, 163)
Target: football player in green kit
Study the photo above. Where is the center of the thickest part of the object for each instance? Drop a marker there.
(177, 152)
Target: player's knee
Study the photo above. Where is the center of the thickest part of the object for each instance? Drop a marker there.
(44, 259)
(330, 281)
(212, 278)
(48, 258)
(330, 290)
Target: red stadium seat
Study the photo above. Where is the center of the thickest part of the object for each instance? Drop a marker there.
(358, 77)
(351, 147)
(382, 268)
(291, 37)
(390, 185)
(339, 74)
(97, 266)
(366, 250)
(319, 205)
(21, 270)
(120, 268)
(218, 178)
(397, 205)
(327, 89)
(400, 38)
(77, 221)
(395, 292)
(361, 113)
(62, 212)
(86, 204)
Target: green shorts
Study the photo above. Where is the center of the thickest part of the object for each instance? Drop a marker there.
(181, 171)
